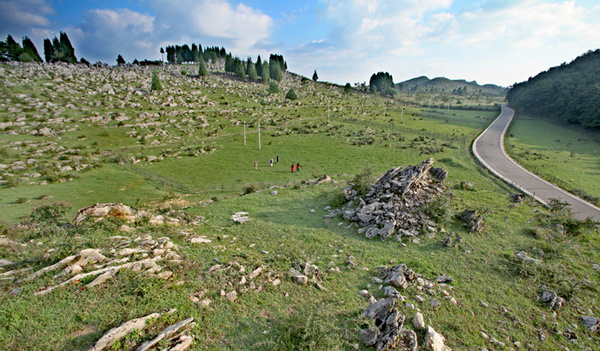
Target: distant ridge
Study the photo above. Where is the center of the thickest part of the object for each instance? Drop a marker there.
(442, 84)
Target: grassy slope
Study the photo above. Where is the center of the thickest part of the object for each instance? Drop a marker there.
(284, 230)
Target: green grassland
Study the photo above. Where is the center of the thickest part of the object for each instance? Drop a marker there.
(566, 156)
(206, 170)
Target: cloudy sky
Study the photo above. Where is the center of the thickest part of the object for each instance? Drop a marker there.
(490, 41)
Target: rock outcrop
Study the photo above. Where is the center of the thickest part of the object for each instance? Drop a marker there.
(394, 202)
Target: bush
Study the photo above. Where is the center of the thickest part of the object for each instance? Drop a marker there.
(249, 189)
(273, 87)
(291, 94)
(156, 85)
(362, 181)
(50, 214)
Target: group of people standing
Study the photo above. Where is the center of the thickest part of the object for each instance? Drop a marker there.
(295, 167)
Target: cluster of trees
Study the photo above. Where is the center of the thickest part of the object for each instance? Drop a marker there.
(569, 92)
(195, 53)
(265, 70)
(10, 50)
(382, 83)
(55, 50)
(59, 50)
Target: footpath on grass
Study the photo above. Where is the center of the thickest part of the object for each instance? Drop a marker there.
(489, 150)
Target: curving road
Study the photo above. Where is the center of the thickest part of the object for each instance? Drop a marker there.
(489, 150)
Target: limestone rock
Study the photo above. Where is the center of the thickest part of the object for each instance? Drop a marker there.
(419, 321)
(434, 341)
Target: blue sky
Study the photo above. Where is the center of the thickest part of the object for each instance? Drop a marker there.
(490, 41)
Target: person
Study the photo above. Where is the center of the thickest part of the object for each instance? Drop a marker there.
(255, 165)
(271, 161)
(277, 158)
(292, 168)
(297, 167)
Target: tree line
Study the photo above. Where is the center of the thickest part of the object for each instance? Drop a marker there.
(569, 92)
(55, 50)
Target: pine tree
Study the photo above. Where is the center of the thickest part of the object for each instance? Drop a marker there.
(275, 72)
(156, 85)
(67, 48)
(266, 76)
(315, 76)
(48, 50)
(202, 71)
(29, 48)
(13, 48)
(273, 87)
(252, 75)
(229, 65)
(259, 66)
(239, 69)
(120, 60)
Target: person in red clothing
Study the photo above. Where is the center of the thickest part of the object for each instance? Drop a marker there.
(292, 168)
(297, 167)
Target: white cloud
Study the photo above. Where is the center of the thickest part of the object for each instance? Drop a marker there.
(18, 16)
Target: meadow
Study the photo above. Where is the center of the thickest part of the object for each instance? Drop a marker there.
(183, 150)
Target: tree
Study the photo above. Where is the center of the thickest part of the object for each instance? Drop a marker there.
(382, 83)
(67, 48)
(84, 61)
(156, 85)
(275, 71)
(162, 53)
(291, 94)
(252, 75)
(29, 48)
(48, 50)
(120, 60)
(202, 71)
(239, 69)
(265, 76)
(13, 49)
(259, 66)
(229, 64)
(273, 87)
(347, 88)
(315, 76)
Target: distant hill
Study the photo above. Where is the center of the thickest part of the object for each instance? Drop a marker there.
(569, 92)
(449, 86)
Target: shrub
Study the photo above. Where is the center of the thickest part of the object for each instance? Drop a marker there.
(249, 189)
(273, 87)
(156, 85)
(50, 214)
(362, 181)
(291, 94)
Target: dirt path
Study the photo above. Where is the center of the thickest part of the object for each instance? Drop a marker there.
(489, 150)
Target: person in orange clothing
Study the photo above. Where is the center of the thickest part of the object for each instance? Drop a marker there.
(292, 168)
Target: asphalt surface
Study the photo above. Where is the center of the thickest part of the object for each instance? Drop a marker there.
(489, 149)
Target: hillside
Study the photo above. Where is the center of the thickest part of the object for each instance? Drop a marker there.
(567, 93)
(459, 87)
(197, 241)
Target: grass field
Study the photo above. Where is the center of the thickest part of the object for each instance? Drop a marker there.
(207, 172)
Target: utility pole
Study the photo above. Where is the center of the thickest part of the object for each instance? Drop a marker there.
(327, 111)
(402, 114)
(244, 133)
(259, 135)
(384, 112)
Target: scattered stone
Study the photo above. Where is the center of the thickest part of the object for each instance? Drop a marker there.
(471, 220)
(522, 255)
(591, 323)
(113, 335)
(435, 341)
(418, 321)
(231, 296)
(167, 332)
(552, 300)
(240, 217)
(200, 241)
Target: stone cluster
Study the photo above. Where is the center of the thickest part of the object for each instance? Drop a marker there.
(393, 203)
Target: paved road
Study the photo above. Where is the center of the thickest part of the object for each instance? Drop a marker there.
(489, 149)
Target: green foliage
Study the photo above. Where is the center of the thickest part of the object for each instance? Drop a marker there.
(291, 94)
(120, 60)
(250, 188)
(252, 74)
(265, 75)
(156, 84)
(239, 69)
(382, 83)
(202, 71)
(273, 87)
(59, 50)
(347, 88)
(568, 92)
(363, 180)
(315, 76)
(275, 72)
(50, 214)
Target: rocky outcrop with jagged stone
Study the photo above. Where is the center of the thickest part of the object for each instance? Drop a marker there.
(393, 203)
